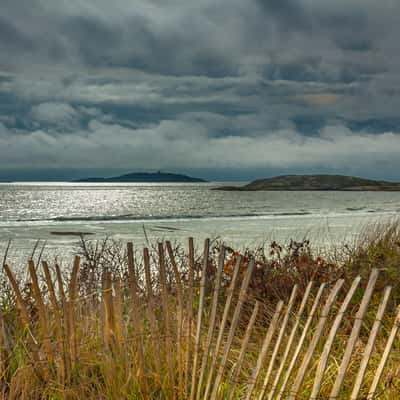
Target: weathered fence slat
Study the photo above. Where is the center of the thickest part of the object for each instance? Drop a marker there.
(385, 356)
(354, 334)
(239, 362)
(200, 317)
(314, 341)
(151, 312)
(331, 337)
(73, 293)
(370, 345)
(234, 323)
(41, 311)
(279, 340)
(189, 317)
(211, 325)
(290, 340)
(179, 312)
(266, 343)
(166, 316)
(136, 314)
(301, 341)
(228, 302)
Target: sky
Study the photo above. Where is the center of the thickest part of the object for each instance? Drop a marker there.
(226, 90)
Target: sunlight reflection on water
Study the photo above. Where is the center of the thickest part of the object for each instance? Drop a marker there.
(33, 211)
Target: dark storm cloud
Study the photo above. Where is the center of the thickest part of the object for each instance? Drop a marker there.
(261, 85)
(12, 38)
(135, 45)
(290, 15)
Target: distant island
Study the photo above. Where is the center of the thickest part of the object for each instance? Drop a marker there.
(155, 177)
(315, 182)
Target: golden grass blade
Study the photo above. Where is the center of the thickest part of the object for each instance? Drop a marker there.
(200, 316)
(370, 345)
(319, 375)
(41, 373)
(354, 334)
(20, 301)
(234, 323)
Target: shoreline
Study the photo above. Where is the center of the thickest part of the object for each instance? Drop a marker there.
(325, 234)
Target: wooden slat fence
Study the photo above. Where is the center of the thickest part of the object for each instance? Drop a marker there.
(318, 345)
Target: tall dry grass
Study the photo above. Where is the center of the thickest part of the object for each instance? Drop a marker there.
(166, 323)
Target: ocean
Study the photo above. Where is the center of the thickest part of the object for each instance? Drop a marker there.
(140, 212)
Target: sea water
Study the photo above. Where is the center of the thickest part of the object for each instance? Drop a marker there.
(56, 212)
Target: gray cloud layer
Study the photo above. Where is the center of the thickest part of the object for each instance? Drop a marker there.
(264, 85)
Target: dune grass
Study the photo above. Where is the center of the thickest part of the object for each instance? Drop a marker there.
(124, 323)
